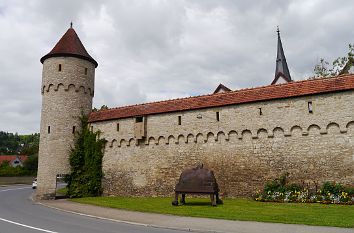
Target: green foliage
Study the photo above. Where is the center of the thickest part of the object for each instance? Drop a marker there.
(277, 185)
(14, 144)
(31, 164)
(11, 144)
(7, 170)
(293, 187)
(331, 187)
(340, 65)
(29, 144)
(86, 163)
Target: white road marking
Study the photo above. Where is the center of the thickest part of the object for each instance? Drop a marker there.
(23, 225)
(5, 190)
(20, 224)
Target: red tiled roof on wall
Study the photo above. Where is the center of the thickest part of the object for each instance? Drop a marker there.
(271, 92)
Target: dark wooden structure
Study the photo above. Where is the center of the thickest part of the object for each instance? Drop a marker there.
(198, 180)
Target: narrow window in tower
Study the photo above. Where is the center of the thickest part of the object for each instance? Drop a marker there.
(59, 67)
(48, 129)
(309, 106)
(179, 120)
(217, 116)
(260, 111)
(74, 128)
(117, 127)
(85, 71)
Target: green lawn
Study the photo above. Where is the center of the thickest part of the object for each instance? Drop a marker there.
(236, 209)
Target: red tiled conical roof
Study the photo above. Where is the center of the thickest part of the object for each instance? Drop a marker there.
(70, 46)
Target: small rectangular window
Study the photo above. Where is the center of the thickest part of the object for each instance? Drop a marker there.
(309, 106)
(139, 119)
(59, 67)
(117, 127)
(74, 128)
(91, 128)
(179, 120)
(85, 71)
(260, 111)
(48, 129)
(217, 116)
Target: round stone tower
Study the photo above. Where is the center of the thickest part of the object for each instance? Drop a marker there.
(67, 91)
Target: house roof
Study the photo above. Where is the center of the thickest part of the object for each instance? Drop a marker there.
(270, 92)
(12, 157)
(221, 88)
(70, 46)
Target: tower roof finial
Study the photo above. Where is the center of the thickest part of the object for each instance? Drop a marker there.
(71, 24)
(278, 31)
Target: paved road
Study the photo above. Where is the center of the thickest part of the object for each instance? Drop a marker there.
(18, 214)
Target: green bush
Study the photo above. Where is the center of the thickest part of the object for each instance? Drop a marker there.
(86, 163)
(293, 187)
(277, 185)
(7, 170)
(350, 191)
(332, 188)
(31, 164)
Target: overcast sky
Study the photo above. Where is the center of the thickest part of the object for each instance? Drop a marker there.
(150, 50)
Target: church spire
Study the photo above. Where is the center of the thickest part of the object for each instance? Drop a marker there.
(282, 74)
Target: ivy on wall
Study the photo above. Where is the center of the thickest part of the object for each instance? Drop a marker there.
(86, 163)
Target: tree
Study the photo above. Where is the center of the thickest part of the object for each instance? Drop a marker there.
(31, 164)
(103, 107)
(341, 65)
(86, 163)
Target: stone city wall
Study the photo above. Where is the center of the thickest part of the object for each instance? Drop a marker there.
(250, 144)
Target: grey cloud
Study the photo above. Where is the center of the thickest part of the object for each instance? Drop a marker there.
(153, 50)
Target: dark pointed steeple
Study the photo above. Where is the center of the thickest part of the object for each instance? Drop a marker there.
(282, 73)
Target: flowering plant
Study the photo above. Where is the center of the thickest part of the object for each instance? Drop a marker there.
(330, 193)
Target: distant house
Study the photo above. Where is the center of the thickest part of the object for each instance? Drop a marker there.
(221, 88)
(14, 160)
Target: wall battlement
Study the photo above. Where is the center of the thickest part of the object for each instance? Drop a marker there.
(246, 134)
(67, 87)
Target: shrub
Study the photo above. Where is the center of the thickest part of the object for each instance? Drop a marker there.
(332, 188)
(277, 185)
(86, 163)
(294, 187)
(7, 170)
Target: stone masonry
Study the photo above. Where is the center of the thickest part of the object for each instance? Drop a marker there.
(66, 94)
(244, 148)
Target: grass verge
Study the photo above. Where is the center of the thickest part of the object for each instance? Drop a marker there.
(236, 209)
(62, 191)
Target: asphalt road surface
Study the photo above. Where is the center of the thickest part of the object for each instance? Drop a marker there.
(19, 214)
